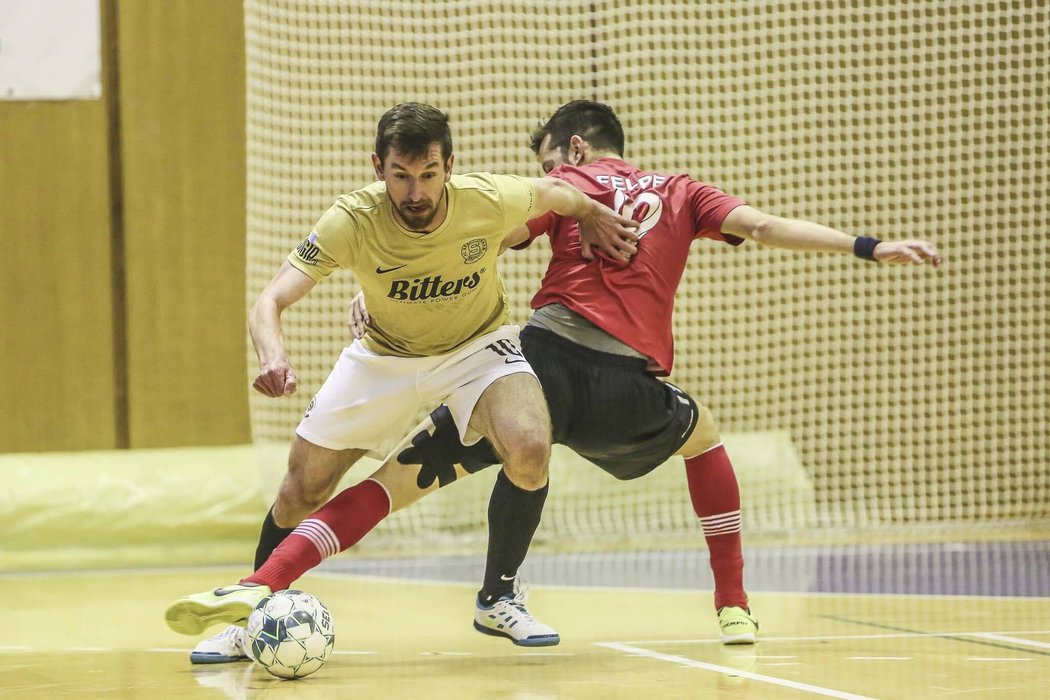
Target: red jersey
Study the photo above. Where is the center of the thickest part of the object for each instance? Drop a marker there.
(632, 302)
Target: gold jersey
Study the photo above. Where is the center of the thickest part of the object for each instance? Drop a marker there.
(426, 293)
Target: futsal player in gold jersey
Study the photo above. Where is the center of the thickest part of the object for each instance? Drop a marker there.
(423, 245)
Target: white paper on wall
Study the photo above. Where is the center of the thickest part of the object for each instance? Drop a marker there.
(50, 50)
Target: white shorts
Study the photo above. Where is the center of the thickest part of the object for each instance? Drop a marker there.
(371, 401)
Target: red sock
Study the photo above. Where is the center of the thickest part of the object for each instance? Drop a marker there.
(716, 500)
(338, 525)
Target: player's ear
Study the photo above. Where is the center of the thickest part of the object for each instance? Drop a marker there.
(377, 164)
(448, 166)
(577, 150)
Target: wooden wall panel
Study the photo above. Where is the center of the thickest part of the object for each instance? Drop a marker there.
(183, 145)
(56, 332)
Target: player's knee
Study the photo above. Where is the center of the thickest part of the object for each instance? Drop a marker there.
(296, 500)
(706, 428)
(526, 457)
(704, 436)
(532, 450)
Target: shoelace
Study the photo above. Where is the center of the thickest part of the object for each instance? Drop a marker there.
(521, 590)
(519, 604)
(521, 594)
(232, 633)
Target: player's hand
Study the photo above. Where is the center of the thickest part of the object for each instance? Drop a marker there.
(357, 319)
(438, 453)
(904, 252)
(276, 379)
(613, 234)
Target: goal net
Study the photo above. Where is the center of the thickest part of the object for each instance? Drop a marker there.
(851, 395)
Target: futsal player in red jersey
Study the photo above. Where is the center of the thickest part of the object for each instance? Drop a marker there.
(600, 336)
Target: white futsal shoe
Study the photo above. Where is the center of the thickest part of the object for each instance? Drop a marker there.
(226, 647)
(508, 617)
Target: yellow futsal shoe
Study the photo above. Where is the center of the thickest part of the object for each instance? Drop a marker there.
(738, 625)
(195, 613)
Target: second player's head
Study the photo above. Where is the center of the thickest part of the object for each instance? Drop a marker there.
(576, 133)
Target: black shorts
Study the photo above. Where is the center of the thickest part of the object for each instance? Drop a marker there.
(608, 408)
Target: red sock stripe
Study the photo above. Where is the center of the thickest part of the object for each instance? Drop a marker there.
(322, 537)
(338, 525)
(722, 524)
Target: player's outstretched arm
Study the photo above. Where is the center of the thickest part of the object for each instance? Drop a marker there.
(795, 234)
(276, 377)
(599, 225)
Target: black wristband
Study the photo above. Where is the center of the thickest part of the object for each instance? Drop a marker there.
(864, 247)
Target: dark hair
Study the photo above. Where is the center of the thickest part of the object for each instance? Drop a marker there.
(410, 128)
(594, 122)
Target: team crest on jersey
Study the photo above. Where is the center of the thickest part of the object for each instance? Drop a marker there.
(474, 250)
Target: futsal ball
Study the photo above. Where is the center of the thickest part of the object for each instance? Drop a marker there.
(290, 634)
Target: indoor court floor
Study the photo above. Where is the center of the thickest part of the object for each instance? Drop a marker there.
(960, 620)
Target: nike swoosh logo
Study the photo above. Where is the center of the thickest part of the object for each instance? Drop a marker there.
(511, 362)
(226, 591)
(507, 578)
(384, 270)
